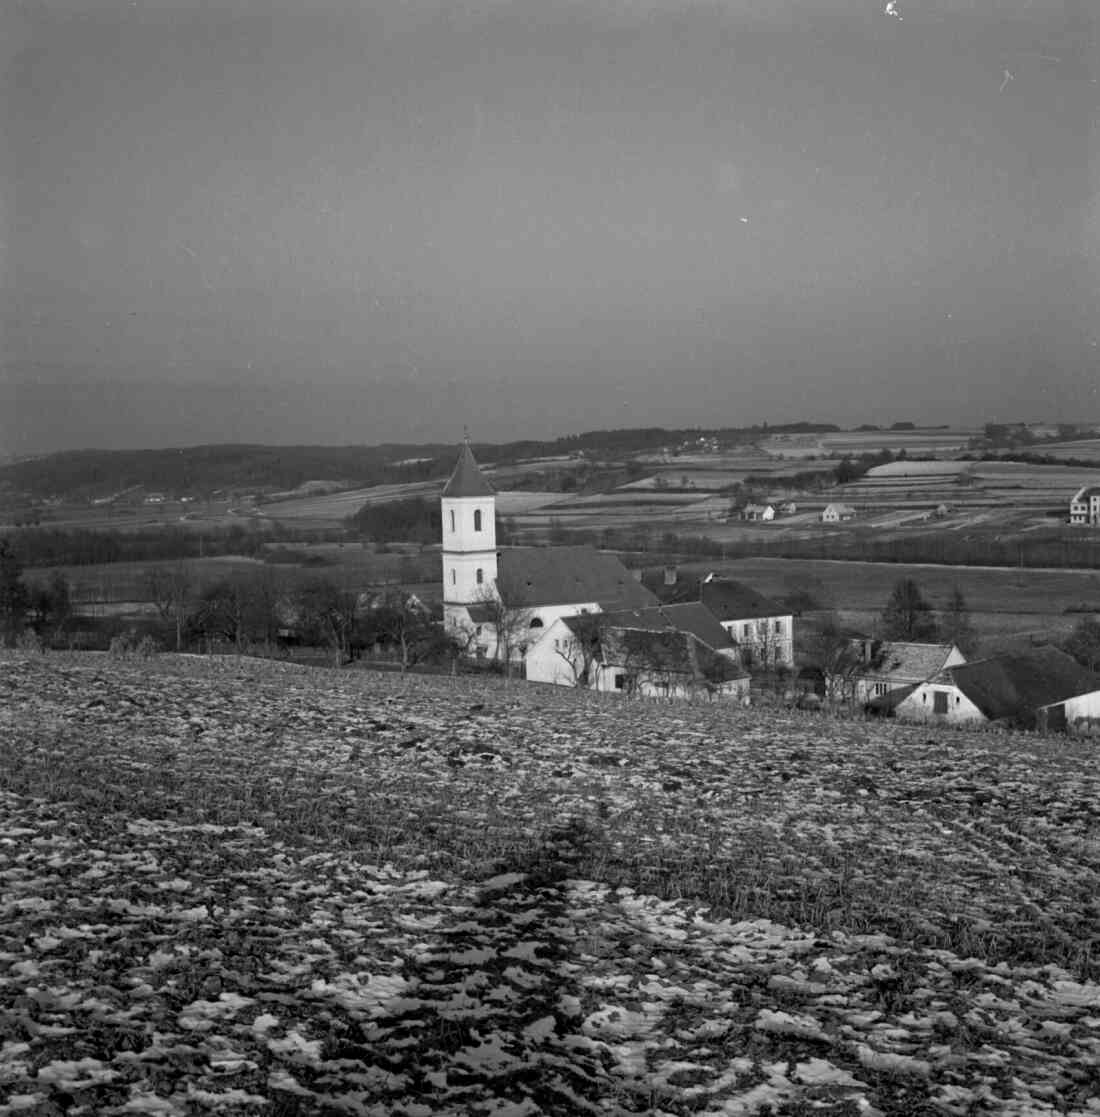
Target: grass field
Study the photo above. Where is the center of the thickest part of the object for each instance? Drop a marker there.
(235, 887)
(1006, 604)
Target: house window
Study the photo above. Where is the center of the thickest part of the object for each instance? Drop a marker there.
(778, 628)
(479, 576)
(939, 702)
(880, 689)
(748, 631)
(454, 576)
(452, 519)
(477, 631)
(536, 622)
(477, 519)
(620, 682)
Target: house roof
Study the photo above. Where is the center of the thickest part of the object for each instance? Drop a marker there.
(906, 662)
(670, 651)
(528, 577)
(1016, 684)
(839, 508)
(730, 600)
(481, 613)
(885, 703)
(467, 478)
(1085, 493)
(726, 598)
(691, 617)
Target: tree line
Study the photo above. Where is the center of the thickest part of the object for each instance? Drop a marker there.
(256, 610)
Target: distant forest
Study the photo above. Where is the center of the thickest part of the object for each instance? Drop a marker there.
(202, 470)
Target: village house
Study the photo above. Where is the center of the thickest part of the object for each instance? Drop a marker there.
(498, 603)
(640, 652)
(1084, 506)
(1041, 689)
(835, 513)
(887, 668)
(761, 512)
(762, 629)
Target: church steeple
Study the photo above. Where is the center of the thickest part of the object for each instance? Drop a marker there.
(467, 478)
(468, 504)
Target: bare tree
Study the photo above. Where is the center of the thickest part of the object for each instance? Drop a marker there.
(329, 612)
(840, 659)
(511, 623)
(584, 647)
(171, 590)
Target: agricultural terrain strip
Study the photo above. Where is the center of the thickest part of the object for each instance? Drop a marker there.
(231, 886)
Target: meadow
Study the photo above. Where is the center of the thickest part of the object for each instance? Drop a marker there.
(241, 887)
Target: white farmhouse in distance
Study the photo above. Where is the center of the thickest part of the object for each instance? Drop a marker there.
(1084, 506)
(834, 513)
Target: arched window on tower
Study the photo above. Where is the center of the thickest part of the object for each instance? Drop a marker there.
(480, 576)
(536, 622)
(454, 576)
(452, 519)
(477, 519)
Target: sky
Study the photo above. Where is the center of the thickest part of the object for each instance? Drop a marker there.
(359, 221)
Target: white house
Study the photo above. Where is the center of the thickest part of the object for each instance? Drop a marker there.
(762, 629)
(1040, 689)
(1084, 506)
(888, 667)
(758, 512)
(499, 601)
(656, 660)
(834, 513)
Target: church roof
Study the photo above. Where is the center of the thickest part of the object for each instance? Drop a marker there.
(467, 478)
(529, 577)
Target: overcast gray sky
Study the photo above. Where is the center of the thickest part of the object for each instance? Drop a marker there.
(367, 220)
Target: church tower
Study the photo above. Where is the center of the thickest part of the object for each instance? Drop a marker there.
(469, 535)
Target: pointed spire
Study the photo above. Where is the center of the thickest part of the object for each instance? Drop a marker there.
(467, 478)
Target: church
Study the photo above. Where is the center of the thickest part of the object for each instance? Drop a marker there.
(500, 602)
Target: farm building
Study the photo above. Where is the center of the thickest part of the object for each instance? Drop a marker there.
(762, 628)
(1084, 506)
(888, 667)
(499, 602)
(646, 656)
(1041, 689)
(835, 513)
(758, 512)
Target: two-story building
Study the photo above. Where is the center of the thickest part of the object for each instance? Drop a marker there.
(1084, 506)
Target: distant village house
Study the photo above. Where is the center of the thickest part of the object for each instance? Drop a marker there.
(1084, 506)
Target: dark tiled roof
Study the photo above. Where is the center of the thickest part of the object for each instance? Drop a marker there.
(734, 601)
(888, 702)
(908, 662)
(482, 613)
(670, 651)
(467, 478)
(726, 598)
(693, 617)
(1015, 685)
(528, 577)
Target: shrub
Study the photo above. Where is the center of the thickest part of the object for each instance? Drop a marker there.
(30, 641)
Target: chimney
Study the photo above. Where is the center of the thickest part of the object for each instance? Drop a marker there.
(670, 575)
(637, 574)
